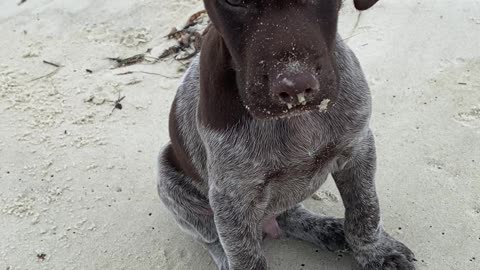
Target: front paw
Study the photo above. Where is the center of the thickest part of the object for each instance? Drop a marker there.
(389, 254)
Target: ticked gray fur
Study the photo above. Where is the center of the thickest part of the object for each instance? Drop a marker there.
(262, 169)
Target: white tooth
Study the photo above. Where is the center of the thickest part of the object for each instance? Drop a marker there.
(289, 105)
(323, 107)
(301, 98)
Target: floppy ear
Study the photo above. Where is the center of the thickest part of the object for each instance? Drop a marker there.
(364, 4)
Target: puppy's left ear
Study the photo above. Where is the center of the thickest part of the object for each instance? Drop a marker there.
(364, 4)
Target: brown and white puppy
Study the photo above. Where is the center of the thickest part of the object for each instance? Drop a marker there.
(274, 104)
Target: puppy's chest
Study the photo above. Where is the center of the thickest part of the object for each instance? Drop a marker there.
(291, 155)
(303, 154)
(298, 167)
(279, 151)
(288, 160)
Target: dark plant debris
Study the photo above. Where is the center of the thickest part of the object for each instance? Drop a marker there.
(117, 104)
(189, 38)
(41, 256)
(125, 62)
(145, 72)
(189, 42)
(51, 64)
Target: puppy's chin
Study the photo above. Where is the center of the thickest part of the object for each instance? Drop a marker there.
(286, 112)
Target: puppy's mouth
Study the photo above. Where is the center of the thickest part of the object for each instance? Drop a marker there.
(290, 110)
(298, 101)
(297, 109)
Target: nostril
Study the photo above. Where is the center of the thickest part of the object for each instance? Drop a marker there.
(284, 96)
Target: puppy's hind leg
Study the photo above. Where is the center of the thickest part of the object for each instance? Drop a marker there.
(189, 207)
(325, 232)
(214, 248)
(218, 254)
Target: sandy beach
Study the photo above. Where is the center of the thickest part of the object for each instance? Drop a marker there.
(77, 176)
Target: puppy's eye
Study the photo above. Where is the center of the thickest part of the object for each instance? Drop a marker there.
(235, 3)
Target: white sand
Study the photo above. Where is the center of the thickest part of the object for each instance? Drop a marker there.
(77, 184)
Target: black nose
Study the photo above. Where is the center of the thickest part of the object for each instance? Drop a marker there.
(295, 89)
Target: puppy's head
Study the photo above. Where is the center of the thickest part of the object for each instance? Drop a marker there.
(282, 52)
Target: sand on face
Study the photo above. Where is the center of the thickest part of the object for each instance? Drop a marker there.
(78, 181)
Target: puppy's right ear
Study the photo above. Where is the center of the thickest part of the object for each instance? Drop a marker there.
(364, 4)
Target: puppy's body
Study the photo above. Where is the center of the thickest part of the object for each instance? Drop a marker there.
(228, 177)
(294, 155)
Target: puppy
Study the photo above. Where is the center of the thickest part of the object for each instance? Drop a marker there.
(274, 104)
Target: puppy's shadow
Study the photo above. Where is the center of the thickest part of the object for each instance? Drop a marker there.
(293, 254)
(284, 254)
(181, 252)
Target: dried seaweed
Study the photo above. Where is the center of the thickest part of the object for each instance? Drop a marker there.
(125, 62)
(189, 38)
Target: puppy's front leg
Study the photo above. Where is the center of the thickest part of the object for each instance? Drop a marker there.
(239, 203)
(372, 247)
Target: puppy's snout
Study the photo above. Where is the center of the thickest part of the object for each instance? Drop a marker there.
(295, 89)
